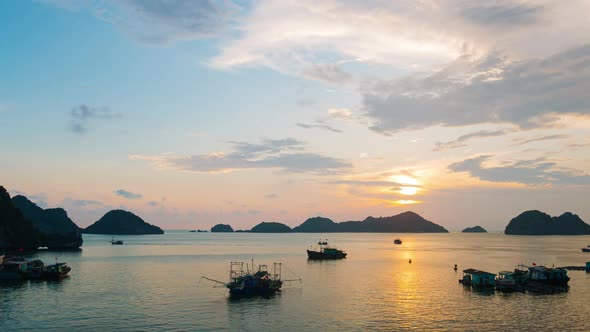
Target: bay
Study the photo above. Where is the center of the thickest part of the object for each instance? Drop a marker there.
(153, 283)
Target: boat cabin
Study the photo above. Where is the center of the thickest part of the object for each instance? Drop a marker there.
(550, 274)
(478, 278)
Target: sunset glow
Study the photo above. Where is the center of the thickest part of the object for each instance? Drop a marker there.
(228, 112)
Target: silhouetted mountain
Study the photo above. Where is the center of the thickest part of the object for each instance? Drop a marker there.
(221, 228)
(538, 223)
(317, 225)
(120, 222)
(474, 229)
(57, 229)
(407, 222)
(16, 232)
(271, 227)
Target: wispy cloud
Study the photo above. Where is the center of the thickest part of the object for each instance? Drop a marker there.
(82, 116)
(288, 154)
(340, 113)
(159, 22)
(127, 194)
(319, 126)
(328, 73)
(542, 138)
(462, 140)
(85, 202)
(506, 13)
(530, 172)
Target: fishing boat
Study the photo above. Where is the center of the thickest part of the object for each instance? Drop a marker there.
(116, 242)
(19, 268)
(587, 249)
(325, 251)
(397, 241)
(56, 271)
(245, 281)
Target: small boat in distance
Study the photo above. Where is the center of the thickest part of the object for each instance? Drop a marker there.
(587, 249)
(325, 252)
(116, 242)
(193, 231)
(397, 241)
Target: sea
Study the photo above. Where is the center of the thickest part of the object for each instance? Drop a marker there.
(153, 283)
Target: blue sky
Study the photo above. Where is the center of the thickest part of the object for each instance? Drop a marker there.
(240, 112)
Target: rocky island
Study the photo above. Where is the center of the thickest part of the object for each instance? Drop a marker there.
(222, 228)
(538, 223)
(121, 222)
(474, 229)
(57, 230)
(271, 227)
(16, 232)
(407, 222)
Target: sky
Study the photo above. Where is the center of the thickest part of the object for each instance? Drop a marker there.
(194, 113)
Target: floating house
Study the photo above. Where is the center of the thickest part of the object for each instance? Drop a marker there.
(539, 279)
(477, 278)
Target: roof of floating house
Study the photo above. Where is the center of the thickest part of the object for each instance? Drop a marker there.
(478, 272)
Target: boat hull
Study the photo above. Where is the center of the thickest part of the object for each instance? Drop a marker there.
(316, 255)
(586, 249)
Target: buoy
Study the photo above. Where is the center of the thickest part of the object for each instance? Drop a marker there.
(455, 268)
(410, 261)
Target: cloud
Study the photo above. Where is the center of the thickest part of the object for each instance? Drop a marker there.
(542, 138)
(505, 14)
(127, 194)
(493, 89)
(324, 40)
(81, 117)
(152, 203)
(530, 172)
(339, 32)
(319, 126)
(461, 141)
(288, 154)
(159, 22)
(85, 202)
(39, 199)
(327, 73)
(272, 195)
(340, 113)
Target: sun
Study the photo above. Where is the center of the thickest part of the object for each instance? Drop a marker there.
(405, 179)
(409, 191)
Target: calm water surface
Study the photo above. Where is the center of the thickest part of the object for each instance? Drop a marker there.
(152, 283)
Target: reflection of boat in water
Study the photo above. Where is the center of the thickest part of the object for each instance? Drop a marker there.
(325, 252)
(397, 241)
(116, 242)
(18, 268)
(244, 281)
